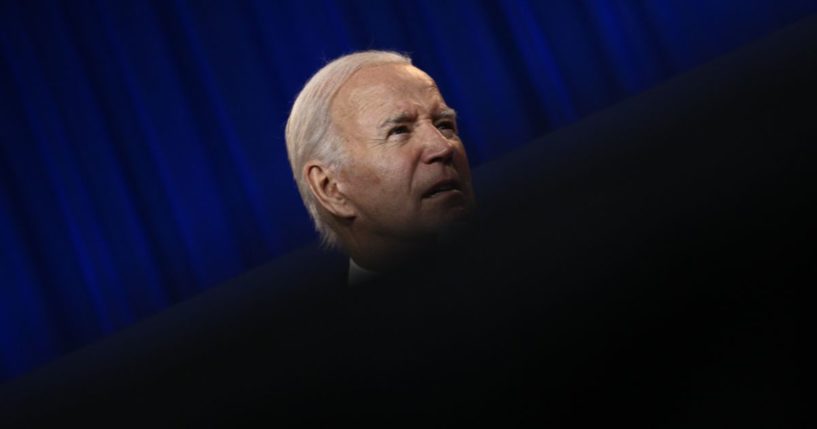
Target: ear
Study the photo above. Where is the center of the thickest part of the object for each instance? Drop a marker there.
(325, 187)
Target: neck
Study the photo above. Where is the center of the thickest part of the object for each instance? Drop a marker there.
(381, 254)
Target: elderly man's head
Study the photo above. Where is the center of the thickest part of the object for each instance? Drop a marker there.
(376, 155)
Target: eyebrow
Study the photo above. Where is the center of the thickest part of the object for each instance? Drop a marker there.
(404, 117)
(447, 113)
(400, 118)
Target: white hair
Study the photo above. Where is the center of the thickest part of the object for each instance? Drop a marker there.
(310, 133)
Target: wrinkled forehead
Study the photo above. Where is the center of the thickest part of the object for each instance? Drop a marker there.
(378, 91)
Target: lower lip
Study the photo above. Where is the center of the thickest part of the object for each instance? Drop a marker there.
(443, 194)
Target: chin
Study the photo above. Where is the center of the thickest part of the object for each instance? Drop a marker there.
(451, 213)
(451, 218)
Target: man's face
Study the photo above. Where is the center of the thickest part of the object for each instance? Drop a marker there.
(407, 174)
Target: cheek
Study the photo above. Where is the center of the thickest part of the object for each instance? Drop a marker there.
(369, 179)
(385, 179)
(394, 172)
(374, 186)
(356, 184)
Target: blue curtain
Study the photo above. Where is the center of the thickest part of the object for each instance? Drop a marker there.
(141, 142)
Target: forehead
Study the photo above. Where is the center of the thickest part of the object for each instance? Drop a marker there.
(385, 89)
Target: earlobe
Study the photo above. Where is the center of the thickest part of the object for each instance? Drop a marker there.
(327, 190)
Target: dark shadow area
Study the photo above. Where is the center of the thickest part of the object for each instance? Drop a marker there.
(641, 267)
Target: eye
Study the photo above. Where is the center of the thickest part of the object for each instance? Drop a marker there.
(400, 129)
(447, 127)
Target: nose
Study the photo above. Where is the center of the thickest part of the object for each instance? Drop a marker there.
(436, 147)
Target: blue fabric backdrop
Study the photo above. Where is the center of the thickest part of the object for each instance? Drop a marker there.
(141, 142)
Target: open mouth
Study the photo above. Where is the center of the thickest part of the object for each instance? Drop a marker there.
(442, 188)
